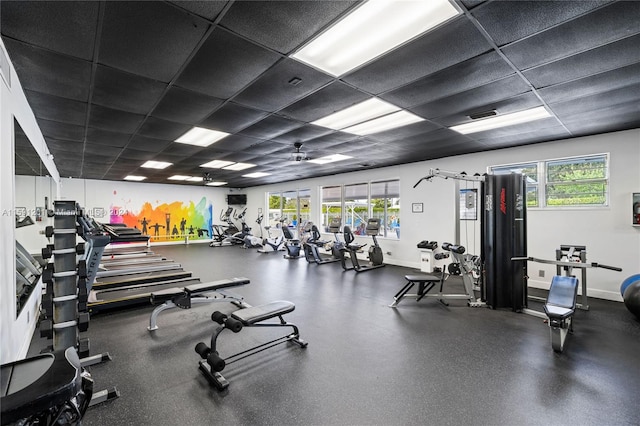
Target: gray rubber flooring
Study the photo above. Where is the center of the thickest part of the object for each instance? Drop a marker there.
(366, 364)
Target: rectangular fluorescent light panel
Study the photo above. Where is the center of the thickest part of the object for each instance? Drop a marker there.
(216, 183)
(135, 178)
(239, 166)
(178, 177)
(371, 30)
(201, 137)
(363, 111)
(156, 165)
(194, 179)
(329, 159)
(216, 164)
(391, 121)
(256, 175)
(502, 120)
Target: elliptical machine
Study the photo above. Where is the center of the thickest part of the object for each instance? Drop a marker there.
(375, 251)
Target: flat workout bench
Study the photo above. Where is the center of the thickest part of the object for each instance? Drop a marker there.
(211, 363)
(184, 297)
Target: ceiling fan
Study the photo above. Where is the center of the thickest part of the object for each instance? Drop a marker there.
(298, 155)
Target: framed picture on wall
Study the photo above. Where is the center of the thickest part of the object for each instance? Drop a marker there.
(417, 207)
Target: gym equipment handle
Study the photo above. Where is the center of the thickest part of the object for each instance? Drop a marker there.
(600, 265)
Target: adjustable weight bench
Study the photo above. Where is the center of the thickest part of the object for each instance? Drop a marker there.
(184, 297)
(212, 363)
(560, 307)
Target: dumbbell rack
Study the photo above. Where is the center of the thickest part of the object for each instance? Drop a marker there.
(64, 303)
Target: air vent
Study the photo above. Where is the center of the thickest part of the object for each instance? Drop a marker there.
(483, 114)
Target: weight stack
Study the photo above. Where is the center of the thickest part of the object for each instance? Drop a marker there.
(504, 235)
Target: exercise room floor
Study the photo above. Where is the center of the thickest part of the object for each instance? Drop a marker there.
(366, 364)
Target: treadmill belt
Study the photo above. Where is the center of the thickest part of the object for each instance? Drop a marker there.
(134, 295)
(141, 278)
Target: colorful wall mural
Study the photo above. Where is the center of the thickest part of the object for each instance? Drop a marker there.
(166, 221)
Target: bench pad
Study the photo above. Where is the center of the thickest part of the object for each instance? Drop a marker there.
(259, 313)
(215, 285)
(557, 312)
(417, 278)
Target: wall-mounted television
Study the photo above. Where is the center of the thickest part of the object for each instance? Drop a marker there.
(237, 199)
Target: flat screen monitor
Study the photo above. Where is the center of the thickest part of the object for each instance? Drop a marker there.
(237, 199)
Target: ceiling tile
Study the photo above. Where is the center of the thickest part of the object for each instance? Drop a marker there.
(127, 92)
(185, 106)
(162, 129)
(282, 25)
(55, 108)
(331, 98)
(455, 79)
(181, 149)
(476, 100)
(403, 132)
(152, 39)
(271, 127)
(598, 28)
(207, 9)
(111, 151)
(425, 55)
(232, 118)
(302, 134)
(273, 90)
(64, 145)
(503, 106)
(597, 83)
(224, 64)
(65, 27)
(235, 143)
(629, 95)
(64, 131)
(506, 22)
(601, 59)
(114, 120)
(143, 143)
(104, 137)
(48, 72)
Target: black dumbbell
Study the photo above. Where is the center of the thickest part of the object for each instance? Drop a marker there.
(46, 328)
(83, 321)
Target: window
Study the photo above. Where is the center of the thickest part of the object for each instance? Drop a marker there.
(385, 204)
(293, 206)
(355, 203)
(530, 171)
(575, 181)
(331, 205)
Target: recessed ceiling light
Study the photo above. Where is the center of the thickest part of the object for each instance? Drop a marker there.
(256, 174)
(201, 137)
(194, 179)
(156, 165)
(502, 120)
(329, 159)
(216, 183)
(391, 121)
(135, 178)
(363, 111)
(178, 177)
(371, 30)
(216, 164)
(239, 166)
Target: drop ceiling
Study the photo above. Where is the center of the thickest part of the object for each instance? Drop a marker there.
(113, 84)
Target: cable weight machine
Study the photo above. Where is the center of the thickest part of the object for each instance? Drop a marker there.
(503, 236)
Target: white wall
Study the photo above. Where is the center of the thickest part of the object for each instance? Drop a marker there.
(606, 232)
(15, 333)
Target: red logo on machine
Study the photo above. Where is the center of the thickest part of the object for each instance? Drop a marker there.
(503, 201)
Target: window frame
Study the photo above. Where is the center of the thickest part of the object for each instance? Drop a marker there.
(544, 183)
